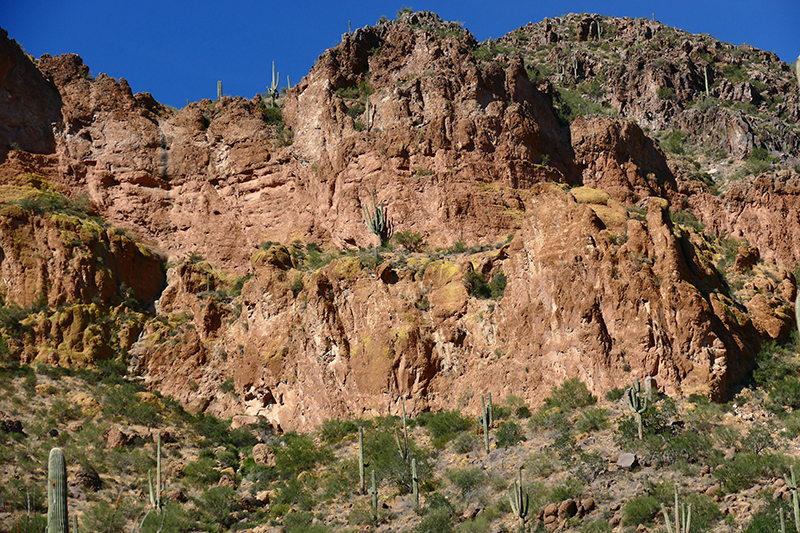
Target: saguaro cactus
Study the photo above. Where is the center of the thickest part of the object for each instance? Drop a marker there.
(378, 221)
(683, 516)
(373, 491)
(637, 402)
(273, 88)
(519, 501)
(415, 482)
(155, 495)
(219, 90)
(486, 420)
(57, 520)
(362, 464)
(792, 484)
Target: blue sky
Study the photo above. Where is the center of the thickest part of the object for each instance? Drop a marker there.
(178, 50)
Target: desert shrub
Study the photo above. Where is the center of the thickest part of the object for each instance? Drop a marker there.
(175, 520)
(293, 493)
(381, 451)
(121, 403)
(302, 522)
(202, 473)
(786, 392)
(758, 439)
(298, 453)
(727, 436)
(409, 240)
(36, 523)
(746, 469)
(465, 443)
(596, 526)
(445, 426)
(509, 434)
(570, 104)
(340, 478)
(674, 142)
(467, 480)
(438, 516)
(542, 465)
(216, 507)
(272, 115)
(103, 516)
(767, 519)
(571, 394)
(640, 510)
(219, 432)
(592, 419)
(334, 430)
(665, 93)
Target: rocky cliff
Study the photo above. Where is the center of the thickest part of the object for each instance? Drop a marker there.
(619, 260)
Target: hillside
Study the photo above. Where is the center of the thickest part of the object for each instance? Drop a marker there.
(587, 200)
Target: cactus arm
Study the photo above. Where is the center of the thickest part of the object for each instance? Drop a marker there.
(666, 518)
(57, 519)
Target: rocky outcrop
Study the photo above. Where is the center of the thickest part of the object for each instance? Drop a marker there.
(601, 284)
(30, 106)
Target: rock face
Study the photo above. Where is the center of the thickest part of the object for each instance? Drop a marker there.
(31, 106)
(600, 282)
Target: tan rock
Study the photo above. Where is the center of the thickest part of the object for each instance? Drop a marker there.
(264, 455)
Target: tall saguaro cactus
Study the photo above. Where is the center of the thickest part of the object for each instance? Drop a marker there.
(683, 516)
(273, 89)
(791, 482)
(486, 420)
(155, 495)
(378, 221)
(362, 464)
(637, 402)
(57, 520)
(519, 501)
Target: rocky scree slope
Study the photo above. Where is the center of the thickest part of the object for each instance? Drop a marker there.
(602, 284)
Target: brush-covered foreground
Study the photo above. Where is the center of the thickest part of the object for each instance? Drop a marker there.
(727, 460)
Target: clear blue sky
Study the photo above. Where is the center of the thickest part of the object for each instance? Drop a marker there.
(178, 50)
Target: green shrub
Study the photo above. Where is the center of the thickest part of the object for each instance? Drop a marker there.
(272, 115)
(665, 93)
(786, 392)
(465, 443)
(571, 394)
(674, 143)
(509, 434)
(438, 516)
(217, 505)
(596, 526)
(409, 240)
(746, 469)
(334, 430)
(767, 519)
(298, 453)
(302, 522)
(592, 419)
(467, 480)
(640, 510)
(202, 473)
(444, 426)
(616, 394)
